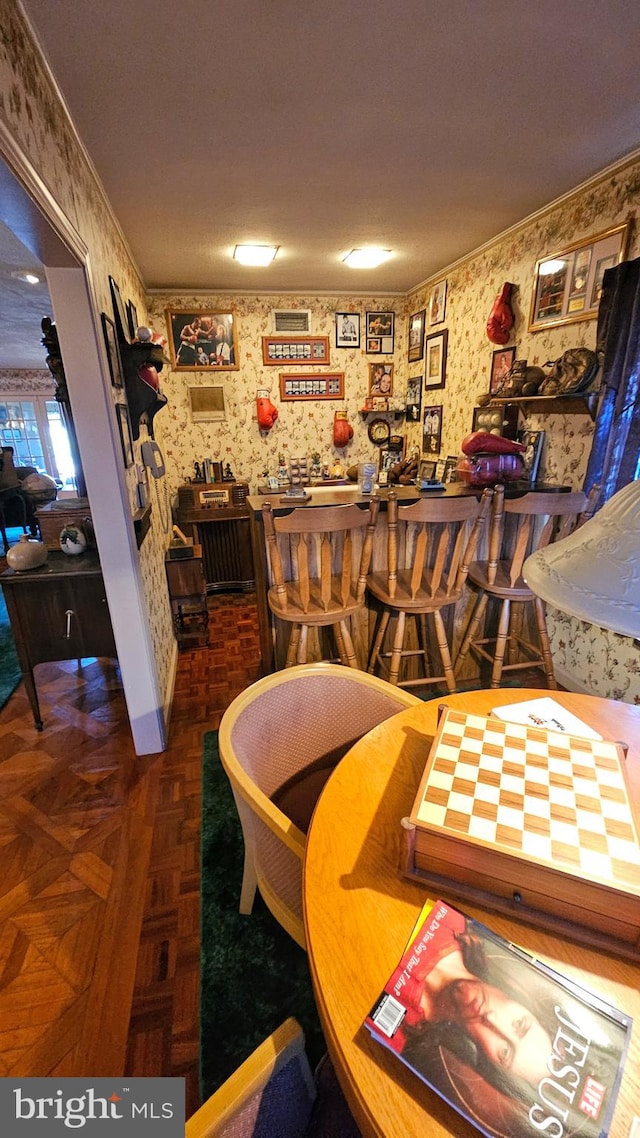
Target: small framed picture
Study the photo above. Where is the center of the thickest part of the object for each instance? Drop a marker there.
(534, 442)
(389, 455)
(432, 430)
(450, 465)
(119, 312)
(347, 329)
(380, 332)
(124, 427)
(427, 469)
(501, 364)
(435, 348)
(132, 319)
(413, 399)
(416, 336)
(113, 350)
(380, 380)
(438, 303)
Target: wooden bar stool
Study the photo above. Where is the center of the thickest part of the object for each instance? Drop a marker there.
(318, 578)
(435, 539)
(518, 527)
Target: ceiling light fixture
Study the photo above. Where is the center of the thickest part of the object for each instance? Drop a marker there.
(26, 276)
(368, 258)
(255, 254)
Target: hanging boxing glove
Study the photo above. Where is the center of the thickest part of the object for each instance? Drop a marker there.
(501, 318)
(342, 430)
(267, 413)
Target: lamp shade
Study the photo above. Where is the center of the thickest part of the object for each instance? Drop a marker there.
(594, 574)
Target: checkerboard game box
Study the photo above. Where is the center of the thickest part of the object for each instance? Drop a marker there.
(530, 822)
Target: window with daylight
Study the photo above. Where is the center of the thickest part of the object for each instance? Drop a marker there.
(34, 428)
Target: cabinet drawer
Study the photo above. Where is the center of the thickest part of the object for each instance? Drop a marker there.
(65, 619)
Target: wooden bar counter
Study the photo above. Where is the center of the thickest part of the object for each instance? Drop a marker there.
(273, 633)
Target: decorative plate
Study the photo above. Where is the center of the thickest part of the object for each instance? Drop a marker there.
(379, 431)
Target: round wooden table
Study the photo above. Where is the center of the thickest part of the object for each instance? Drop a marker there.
(359, 912)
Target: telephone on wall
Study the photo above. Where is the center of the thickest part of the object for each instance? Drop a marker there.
(152, 458)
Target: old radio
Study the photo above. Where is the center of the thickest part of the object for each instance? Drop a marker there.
(211, 495)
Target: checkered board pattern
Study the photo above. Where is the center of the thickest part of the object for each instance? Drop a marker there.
(525, 791)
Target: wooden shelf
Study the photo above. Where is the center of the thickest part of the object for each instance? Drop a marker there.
(585, 404)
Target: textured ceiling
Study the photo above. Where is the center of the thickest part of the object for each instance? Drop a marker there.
(422, 127)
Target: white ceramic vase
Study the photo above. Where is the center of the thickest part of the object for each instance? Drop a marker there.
(72, 541)
(26, 554)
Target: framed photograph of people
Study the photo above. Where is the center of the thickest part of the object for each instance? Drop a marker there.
(437, 303)
(427, 469)
(413, 399)
(347, 329)
(432, 430)
(202, 340)
(435, 350)
(416, 336)
(380, 380)
(390, 454)
(124, 427)
(534, 442)
(568, 283)
(113, 350)
(501, 364)
(450, 468)
(380, 332)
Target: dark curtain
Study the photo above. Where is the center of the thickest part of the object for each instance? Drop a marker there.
(613, 462)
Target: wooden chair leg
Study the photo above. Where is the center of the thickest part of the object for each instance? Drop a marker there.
(423, 639)
(396, 650)
(516, 622)
(292, 649)
(547, 661)
(302, 646)
(381, 628)
(348, 649)
(472, 628)
(501, 643)
(445, 654)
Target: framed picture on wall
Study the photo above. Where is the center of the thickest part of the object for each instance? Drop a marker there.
(413, 399)
(202, 340)
(380, 332)
(437, 303)
(380, 380)
(567, 283)
(501, 364)
(431, 430)
(435, 350)
(113, 351)
(124, 427)
(347, 329)
(132, 319)
(416, 336)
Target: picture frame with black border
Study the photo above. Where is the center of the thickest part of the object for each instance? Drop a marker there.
(124, 427)
(435, 351)
(427, 469)
(438, 303)
(202, 339)
(534, 442)
(132, 319)
(450, 468)
(502, 361)
(347, 329)
(416, 336)
(389, 455)
(119, 312)
(380, 332)
(432, 430)
(413, 399)
(113, 350)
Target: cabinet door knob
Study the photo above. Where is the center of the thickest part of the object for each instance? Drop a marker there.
(68, 614)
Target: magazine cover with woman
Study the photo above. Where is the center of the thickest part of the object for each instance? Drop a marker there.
(513, 1046)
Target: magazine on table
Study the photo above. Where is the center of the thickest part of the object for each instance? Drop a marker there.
(513, 1046)
(548, 713)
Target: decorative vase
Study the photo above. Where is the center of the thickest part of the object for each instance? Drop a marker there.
(27, 554)
(72, 541)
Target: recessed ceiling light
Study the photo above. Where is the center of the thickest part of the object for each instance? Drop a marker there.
(368, 258)
(255, 254)
(26, 276)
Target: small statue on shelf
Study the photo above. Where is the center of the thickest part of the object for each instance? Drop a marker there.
(228, 475)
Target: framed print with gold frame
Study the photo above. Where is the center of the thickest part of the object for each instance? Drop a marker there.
(202, 340)
(568, 283)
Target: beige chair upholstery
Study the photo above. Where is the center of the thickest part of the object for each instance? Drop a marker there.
(430, 544)
(279, 741)
(519, 526)
(272, 1092)
(318, 575)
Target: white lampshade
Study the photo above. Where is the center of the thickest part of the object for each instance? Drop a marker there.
(594, 574)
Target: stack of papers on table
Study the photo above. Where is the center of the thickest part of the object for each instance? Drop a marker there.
(545, 712)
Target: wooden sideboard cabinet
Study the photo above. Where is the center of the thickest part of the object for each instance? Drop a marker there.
(57, 612)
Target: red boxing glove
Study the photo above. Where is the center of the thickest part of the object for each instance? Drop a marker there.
(342, 430)
(267, 413)
(501, 318)
(481, 442)
(148, 374)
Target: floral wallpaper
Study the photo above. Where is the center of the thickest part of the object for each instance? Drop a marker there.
(25, 381)
(586, 658)
(303, 427)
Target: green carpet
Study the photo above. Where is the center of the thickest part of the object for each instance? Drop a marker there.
(253, 975)
(9, 666)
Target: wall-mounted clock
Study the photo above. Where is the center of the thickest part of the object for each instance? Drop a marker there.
(379, 431)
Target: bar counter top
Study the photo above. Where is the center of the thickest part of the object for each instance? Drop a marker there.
(349, 492)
